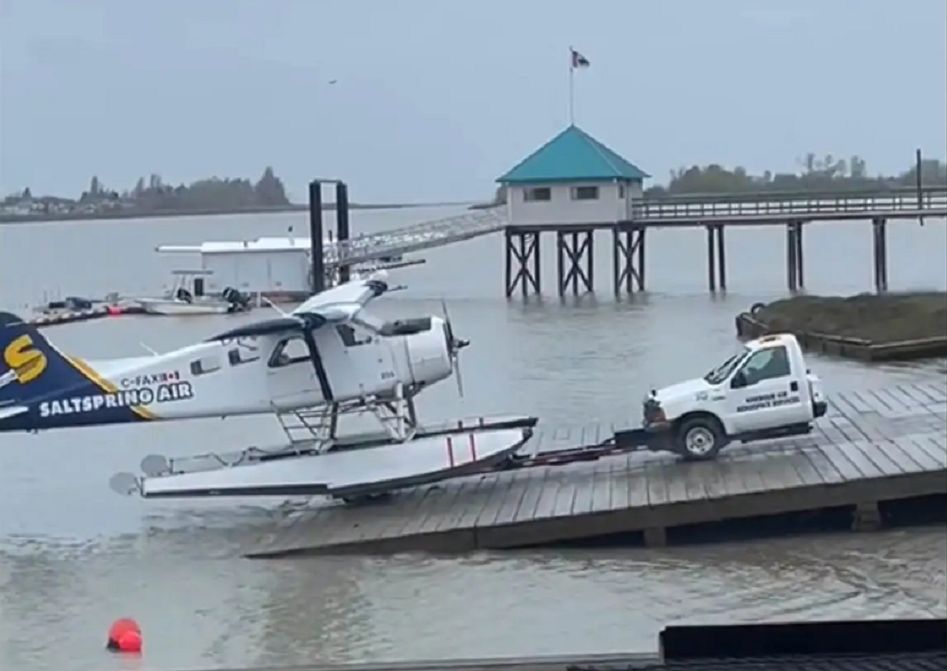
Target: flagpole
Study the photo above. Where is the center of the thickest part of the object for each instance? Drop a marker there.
(571, 89)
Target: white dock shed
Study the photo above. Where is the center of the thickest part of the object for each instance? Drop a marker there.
(571, 180)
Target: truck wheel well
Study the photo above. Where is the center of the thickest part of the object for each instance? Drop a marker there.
(700, 414)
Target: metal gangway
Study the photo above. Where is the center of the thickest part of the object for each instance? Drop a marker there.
(396, 242)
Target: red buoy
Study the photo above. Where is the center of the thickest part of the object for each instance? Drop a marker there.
(124, 636)
(130, 641)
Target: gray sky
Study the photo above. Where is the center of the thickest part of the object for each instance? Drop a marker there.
(437, 98)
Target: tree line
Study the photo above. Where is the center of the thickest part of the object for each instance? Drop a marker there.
(818, 174)
(155, 195)
(209, 193)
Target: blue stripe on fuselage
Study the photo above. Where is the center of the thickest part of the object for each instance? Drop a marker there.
(56, 391)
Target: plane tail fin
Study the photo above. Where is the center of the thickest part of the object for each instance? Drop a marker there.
(30, 366)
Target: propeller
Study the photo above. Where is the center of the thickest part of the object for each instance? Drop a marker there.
(454, 345)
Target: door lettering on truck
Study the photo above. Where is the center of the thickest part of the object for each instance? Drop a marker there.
(767, 401)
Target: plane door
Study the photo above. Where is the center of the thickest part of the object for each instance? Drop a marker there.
(357, 361)
(291, 377)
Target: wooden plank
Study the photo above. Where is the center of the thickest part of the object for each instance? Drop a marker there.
(777, 472)
(714, 485)
(822, 465)
(694, 476)
(807, 473)
(657, 487)
(837, 457)
(854, 401)
(937, 392)
(917, 392)
(522, 482)
(910, 450)
(428, 505)
(638, 487)
(618, 482)
(547, 497)
(675, 478)
(874, 402)
(930, 447)
(505, 490)
(883, 461)
(565, 497)
(535, 488)
(477, 501)
(445, 518)
(602, 491)
(895, 399)
(584, 490)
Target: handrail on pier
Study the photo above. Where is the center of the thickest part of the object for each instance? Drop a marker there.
(901, 199)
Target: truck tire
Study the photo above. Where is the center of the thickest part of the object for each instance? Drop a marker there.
(700, 438)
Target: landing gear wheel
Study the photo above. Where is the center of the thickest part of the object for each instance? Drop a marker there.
(700, 438)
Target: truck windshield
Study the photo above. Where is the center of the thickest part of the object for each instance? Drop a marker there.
(722, 372)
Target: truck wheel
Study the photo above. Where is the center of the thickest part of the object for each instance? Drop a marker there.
(700, 438)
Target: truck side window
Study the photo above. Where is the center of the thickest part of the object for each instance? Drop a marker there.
(766, 364)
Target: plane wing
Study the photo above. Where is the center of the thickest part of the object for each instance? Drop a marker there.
(343, 302)
(338, 304)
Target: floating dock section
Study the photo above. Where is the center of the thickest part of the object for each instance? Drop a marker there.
(872, 456)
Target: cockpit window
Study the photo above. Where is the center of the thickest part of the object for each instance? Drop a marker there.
(352, 337)
(289, 351)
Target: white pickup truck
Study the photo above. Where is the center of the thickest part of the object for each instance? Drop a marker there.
(763, 391)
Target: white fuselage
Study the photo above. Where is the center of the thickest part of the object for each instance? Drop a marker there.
(258, 374)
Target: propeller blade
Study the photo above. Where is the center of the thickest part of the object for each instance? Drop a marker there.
(454, 345)
(460, 380)
(450, 328)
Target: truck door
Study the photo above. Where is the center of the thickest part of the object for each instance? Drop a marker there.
(764, 393)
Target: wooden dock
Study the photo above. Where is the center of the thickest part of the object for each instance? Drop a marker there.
(715, 213)
(872, 448)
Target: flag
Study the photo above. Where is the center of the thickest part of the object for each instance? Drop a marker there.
(578, 60)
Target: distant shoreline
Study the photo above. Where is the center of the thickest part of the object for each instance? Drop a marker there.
(152, 214)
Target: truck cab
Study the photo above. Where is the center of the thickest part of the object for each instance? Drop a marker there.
(764, 390)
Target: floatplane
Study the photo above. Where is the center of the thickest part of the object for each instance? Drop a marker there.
(327, 358)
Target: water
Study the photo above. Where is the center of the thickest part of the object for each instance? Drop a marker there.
(74, 556)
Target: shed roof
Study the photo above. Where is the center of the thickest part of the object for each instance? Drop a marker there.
(573, 155)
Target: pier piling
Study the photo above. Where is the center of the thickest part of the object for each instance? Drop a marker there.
(342, 223)
(626, 271)
(315, 236)
(523, 245)
(880, 249)
(716, 261)
(571, 256)
(794, 266)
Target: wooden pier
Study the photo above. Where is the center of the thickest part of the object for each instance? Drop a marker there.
(794, 211)
(872, 451)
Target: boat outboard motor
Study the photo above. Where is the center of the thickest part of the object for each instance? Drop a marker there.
(235, 298)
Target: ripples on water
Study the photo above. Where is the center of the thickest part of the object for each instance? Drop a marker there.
(74, 556)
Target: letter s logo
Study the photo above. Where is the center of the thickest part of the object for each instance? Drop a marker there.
(27, 362)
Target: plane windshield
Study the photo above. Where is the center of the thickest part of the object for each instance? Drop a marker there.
(722, 372)
(369, 320)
